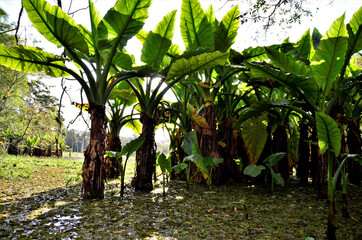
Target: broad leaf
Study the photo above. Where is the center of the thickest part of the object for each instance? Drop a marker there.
(255, 134)
(210, 15)
(293, 81)
(179, 167)
(217, 161)
(132, 146)
(55, 25)
(277, 177)
(30, 59)
(227, 30)
(257, 108)
(355, 32)
(121, 23)
(123, 60)
(288, 64)
(329, 56)
(193, 158)
(273, 159)
(158, 42)
(196, 31)
(253, 170)
(328, 133)
(304, 46)
(164, 162)
(95, 18)
(182, 67)
(190, 144)
(135, 126)
(316, 38)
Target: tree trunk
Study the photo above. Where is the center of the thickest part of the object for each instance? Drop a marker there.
(321, 176)
(230, 171)
(146, 155)
(208, 140)
(304, 154)
(280, 144)
(113, 165)
(93, 168)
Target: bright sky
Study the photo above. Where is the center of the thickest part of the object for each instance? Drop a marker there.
(322, 20)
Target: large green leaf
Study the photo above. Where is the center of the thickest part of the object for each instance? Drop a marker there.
(287, 63)
(123, 60)
(179, 167)
(329, 56)
(95, 18)
(55, 25)
(121, 23)
(132, 146)
(293, 81)
(182, 67)
(253, 170)
(30, 59)
(190, 144)
(196, 31)
(304, 46)
(355, 32)
(227, 30)
(158, 42)
(257, 108)
(328, 133)
(164, 162)
(210, 15)
(255, 134)
(273, 159)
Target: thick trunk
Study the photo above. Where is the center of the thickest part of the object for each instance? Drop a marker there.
(280, 144)
(208, 140)
(230, 171)
(93, 168)
(321, 176)
(113, 165)
(146, 155)
(304, 154)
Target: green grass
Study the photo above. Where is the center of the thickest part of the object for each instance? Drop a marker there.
(23, 167)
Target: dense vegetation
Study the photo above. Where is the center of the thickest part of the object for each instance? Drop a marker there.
(262, 112)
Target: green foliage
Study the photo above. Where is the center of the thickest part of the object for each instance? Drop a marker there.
(196, 31)
(183, 66)
(329, 134)
(255, 135)
(158, 41)
(31, 59)
(330, 54)
(253, 170)
(127, 150)
(227, 30)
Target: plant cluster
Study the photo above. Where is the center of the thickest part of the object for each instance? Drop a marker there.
(275, 108)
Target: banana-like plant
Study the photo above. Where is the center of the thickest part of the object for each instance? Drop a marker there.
(318, 76)
(170, 67)
(97, 53)
(120, 98)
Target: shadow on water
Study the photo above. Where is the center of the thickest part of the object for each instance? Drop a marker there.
(292, 212)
